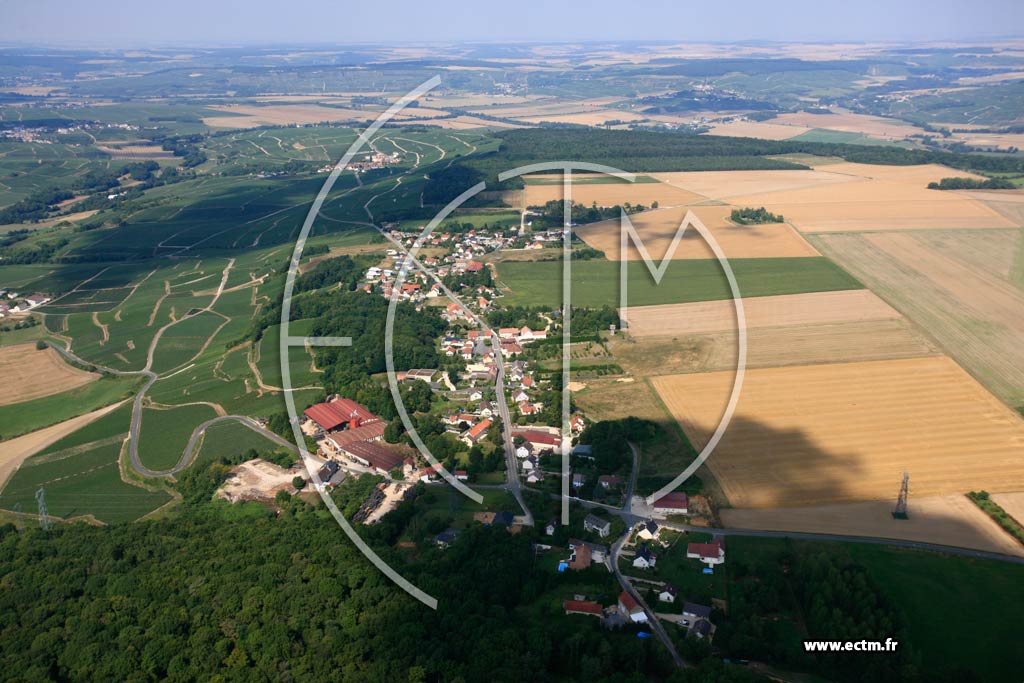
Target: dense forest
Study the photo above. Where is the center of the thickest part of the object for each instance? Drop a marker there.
(203, 598)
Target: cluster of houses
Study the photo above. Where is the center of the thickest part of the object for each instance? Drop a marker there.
(627, 609)
(372, 161)
(12, 303)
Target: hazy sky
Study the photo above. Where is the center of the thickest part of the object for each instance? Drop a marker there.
(110, 22)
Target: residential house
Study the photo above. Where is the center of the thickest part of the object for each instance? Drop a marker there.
(551, 527)
(446, 538)
(578, 480)
(609, 481)
(583, 607)
(709, 553)
(693, 611)
(476, 433)
(602, 527)
(668, 594)
(674, 503)
(631, 608)
(644, 558)
(648, 531)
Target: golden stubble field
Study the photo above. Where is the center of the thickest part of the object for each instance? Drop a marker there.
(609, 193)
(657, 229)
(962, 287)
(878, 198)
(30, 373)
(793, 329)
(766, 311)
(845, 432)
(948, 520)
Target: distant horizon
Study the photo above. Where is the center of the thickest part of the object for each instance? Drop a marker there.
(228, 44)
(53, 23)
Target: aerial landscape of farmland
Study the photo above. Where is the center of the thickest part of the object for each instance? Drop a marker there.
(655, 348)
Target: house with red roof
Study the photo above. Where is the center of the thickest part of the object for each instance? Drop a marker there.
(587, 607)
(631, 609)
(709, 553)
(477, 432)
(674, 503)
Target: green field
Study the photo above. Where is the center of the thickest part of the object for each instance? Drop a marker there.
(226, 439)
(596, 283)
(81, 477)
(959, 612)
(29, 416)
(165, 433)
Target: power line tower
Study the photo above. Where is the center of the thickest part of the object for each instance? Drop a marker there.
(901, 502)
(44, 517)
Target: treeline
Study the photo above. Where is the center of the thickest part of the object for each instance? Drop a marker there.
(972, 184)
(552, 213)
(749, 216)
(642, 150)
(609, 441)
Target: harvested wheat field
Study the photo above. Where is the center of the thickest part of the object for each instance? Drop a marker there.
(765, 311)
(30, 373)
(878, 198)
(657, 229)
(771, 347)
(761, 130)
(612, 193)
(253, 116)
(946, 520)
(1013, 503)
(874, 126)
(958, 294)
(844, 432)
(595, 117)
(722, 185)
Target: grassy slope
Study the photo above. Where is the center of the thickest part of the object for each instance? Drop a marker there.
(28, 416)
(80, 475)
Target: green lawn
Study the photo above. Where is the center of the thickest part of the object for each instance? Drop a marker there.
(20, 418)
(596, 283)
